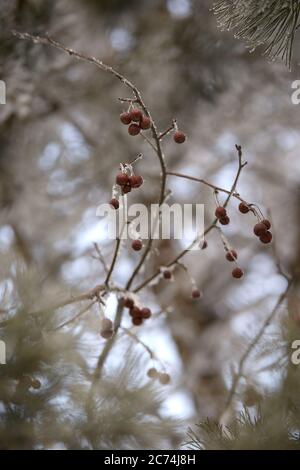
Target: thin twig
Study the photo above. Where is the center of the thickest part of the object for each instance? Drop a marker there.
(251, 346)
(79, 314)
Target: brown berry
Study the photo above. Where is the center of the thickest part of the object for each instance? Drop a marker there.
(136, 181)
(152, 373)
(237, 273)
(134, 129)
(196, 294)
(125, 118)
(106, 324)
(128, 302)
(259, 229)
(164, 378)
(115, 203)
(137, 245)
(121, 179)
(266, 237)
(267, 223)
(146, 313)
(243, 208)
(145, 123)
(136, 114)
(224, 220)
(220, 212)
(137, 321)
(231, 255)
(167, 274)
(179, 137)
(106, 334)
(136, 312)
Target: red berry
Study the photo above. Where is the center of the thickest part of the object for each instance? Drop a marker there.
(196, 294)
(137, 245)
(164, 378)
(259, 229)
(266, 237)
(136, 312)
(128, 302)
(145, 123)
(224, 220)
(220, 212)
(231, 255)
(125, 118)
(237, 273)
(126, 189)
(121, 179)
(167, 274)
(136, 114)
(115, 203)
(136, 181)
(134, 129)
(179, 137)
(267, 223)
(152, 373)
(146, 313)
(243, 208)
(137, 321)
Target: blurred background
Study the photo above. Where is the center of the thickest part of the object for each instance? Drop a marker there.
(61, 145)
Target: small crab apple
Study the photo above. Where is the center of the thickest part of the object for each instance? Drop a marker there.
(136, 312)
(137, 321)
(196, 293)
(121, 179)
(179, 137)
(128, 302)
(231, 255)
(164, 378)
(266, 237)
(146, 313)
(167, 274)
(136, 114)
(145, 123)
(115, 203)
(136, 181)
(243, 208)
(125, 118)
(137, 245)
(259, 229)
(237, 273)
(134, 129)
(267, 223)
(224, 220)
(220, 212)
(152, 373)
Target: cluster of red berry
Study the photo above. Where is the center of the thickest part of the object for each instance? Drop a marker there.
(128, 183)
(163, 377)
(222, 216)
(136, 121)
(138, 315)
(262, 228)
